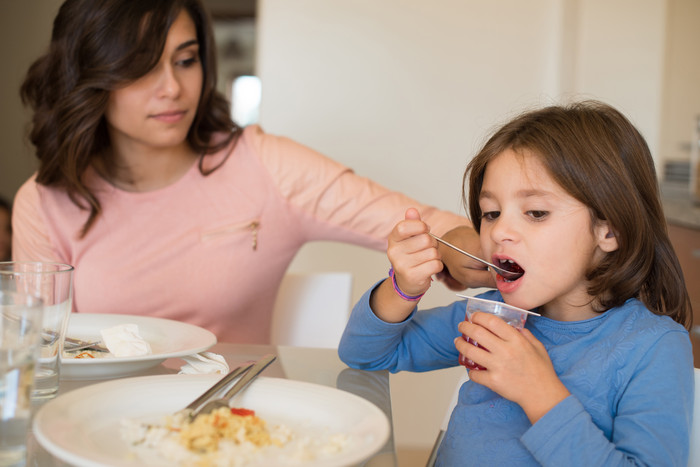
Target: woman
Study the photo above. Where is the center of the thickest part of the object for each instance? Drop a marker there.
(161, 203)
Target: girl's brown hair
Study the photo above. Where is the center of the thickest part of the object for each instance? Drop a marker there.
(600, 158)
(98, 46)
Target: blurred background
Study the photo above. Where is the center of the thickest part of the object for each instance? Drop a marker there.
(405, 91)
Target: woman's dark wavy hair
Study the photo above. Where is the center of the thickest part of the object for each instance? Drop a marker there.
(98, 46)
(595, 153)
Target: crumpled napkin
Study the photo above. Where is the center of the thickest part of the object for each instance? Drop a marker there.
(204, 363)
(124, 340)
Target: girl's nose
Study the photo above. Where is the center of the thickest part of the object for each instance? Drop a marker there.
(503, 229)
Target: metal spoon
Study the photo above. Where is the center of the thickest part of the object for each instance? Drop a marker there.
(511, 276)
(223, 401)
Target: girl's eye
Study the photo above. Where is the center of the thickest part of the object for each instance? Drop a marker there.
(490, 215)
(537, 215)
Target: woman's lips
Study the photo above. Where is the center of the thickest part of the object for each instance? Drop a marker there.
(173, 116)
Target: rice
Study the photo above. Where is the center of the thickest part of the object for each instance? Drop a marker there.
(227, 439)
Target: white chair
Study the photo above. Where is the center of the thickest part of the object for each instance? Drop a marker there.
(446, 420)
(694, 458)
(312, 309)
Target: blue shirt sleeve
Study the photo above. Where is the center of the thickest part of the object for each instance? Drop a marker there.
(422, 342)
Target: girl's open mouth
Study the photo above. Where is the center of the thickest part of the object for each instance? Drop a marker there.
(511, 266)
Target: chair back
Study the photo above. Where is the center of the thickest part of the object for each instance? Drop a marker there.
(694, 458)
(312, 309)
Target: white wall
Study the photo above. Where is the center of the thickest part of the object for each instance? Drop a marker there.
(404, 91)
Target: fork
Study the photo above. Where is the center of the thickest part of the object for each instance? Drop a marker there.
(71, 344)
(503, 272)
(223, 401)
(212, 391)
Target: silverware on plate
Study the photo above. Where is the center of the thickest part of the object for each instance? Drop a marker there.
(205, 404)
(71, 344)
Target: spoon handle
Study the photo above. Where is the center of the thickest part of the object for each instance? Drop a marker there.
(259, 366)
(503, 272)
(461, 251)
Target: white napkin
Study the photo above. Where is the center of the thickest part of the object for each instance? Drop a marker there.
(124, 340)
(204, 363)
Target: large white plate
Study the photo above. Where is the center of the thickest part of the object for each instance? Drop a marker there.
(82, 427)
(168, 339)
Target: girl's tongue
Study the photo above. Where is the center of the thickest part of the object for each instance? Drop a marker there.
(512, 266)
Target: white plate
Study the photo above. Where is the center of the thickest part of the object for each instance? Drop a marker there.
(82, 427)
(168, 339)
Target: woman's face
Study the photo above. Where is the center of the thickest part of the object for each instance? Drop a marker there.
(529, 219)
(157, 110)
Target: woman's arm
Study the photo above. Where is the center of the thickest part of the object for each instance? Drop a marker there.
(355, 209)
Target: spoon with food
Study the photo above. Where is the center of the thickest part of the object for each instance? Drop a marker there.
(510, 275)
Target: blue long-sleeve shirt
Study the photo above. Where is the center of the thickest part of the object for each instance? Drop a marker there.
(629, 372)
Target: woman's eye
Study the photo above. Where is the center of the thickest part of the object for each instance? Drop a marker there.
(537, 215)
(490, 215)
(188, 62)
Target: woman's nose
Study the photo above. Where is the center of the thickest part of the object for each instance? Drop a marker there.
(168, 84)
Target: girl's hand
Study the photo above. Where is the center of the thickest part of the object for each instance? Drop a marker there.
(415, 258)
(413, 254)
(517, 364)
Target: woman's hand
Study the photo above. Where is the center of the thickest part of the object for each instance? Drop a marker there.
(461, 271)
(517, 365)
(415, 258)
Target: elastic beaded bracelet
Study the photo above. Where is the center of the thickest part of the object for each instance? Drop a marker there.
(398, 291)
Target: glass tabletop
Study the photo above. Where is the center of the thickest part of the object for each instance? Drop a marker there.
(314, 365)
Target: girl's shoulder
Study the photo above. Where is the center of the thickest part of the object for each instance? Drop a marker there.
(638, 315)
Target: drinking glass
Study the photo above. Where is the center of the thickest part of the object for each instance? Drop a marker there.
(514, 316)
(20, 339)
(53, 283)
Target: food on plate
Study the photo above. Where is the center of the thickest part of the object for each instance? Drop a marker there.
(228, 437)
(122, 340)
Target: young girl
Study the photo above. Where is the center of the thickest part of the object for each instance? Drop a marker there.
(604, 376)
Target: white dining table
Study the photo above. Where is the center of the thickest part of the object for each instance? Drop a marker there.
(314, 365)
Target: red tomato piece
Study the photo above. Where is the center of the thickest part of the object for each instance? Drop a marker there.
(242, 412)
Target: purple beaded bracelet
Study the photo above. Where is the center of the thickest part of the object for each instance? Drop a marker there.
(398, 291)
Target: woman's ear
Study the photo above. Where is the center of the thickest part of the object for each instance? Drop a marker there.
(607, 240)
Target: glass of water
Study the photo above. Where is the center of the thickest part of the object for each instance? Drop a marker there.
(53, 283)
(20, 339)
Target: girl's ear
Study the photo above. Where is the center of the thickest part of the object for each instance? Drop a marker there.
(607, 240)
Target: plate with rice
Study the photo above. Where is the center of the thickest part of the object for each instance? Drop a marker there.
(281, 422)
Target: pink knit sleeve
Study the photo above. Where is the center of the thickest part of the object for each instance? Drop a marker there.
(336, 197)
(30, 236)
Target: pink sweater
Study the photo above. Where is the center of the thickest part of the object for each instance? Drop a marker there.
(210, 250)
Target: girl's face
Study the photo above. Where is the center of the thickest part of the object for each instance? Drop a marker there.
(157, 110)
(529, 219)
